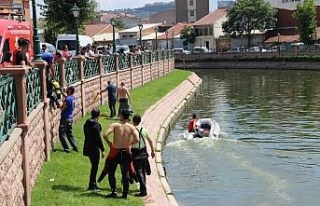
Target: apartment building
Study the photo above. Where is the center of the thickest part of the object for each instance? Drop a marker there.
(191, 11)
(14, 7)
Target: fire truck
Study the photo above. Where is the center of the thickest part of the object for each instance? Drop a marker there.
(10, 31)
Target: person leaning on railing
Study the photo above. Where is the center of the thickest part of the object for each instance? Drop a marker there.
(20, 54)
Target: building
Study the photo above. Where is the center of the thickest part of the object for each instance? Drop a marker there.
(167, 16)
(208, 29)
(131, 36)
(191, 10)
(224, 4)
(287, 4)
(15, 9)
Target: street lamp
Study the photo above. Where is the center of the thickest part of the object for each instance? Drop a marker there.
(113, 22)
(36, 39)
(166, 32)
(140, 29)
(76, 12)
(156, 31)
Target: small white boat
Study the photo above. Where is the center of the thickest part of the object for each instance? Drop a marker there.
(206, 128)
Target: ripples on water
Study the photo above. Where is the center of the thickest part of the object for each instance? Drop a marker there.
(269, 150)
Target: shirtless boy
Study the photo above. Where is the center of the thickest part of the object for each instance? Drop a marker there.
(124, 136)
(123, 97)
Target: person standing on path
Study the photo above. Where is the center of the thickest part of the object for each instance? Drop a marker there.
(124, 136)
(140, 155)
(66, 121)
(112, 98)
(92, 146)
(124, 98)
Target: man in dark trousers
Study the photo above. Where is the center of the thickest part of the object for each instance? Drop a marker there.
(140, 155)
(124, 136)
(66, 121)
(92, 146)
(112, 98)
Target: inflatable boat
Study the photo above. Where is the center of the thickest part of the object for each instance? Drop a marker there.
(205, 128)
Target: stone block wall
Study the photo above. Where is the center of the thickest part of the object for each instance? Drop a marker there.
(11, 173)
(30, 144)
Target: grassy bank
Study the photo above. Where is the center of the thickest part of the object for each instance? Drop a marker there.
(64, 179)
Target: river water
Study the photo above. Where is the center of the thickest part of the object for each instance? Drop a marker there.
(268, 152)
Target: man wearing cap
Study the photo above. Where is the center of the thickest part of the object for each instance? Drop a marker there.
(124, 136)
(124, 98)
(65, 128)
(112, 98)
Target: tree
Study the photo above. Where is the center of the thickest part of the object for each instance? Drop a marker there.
(59, 18)
(246, 16)
(306, 18)
(187, 33)
(120, 24)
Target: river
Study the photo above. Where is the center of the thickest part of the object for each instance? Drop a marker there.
(268, 152)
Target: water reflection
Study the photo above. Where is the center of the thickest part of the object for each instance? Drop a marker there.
(269, 149)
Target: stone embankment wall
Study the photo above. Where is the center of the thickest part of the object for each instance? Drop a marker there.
(248, 65)
(158, 119)
(30, 143)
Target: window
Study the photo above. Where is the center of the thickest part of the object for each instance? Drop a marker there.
(191, 2)
(70, 43)
(191, 13)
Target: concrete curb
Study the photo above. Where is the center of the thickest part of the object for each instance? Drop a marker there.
(158, 119)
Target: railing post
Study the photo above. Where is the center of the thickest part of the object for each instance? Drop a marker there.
(62, 72)
(42, 65)
(130, 56)
(19, 76)
(101, 73)
(116, 65)
(80, 60)
(150, 65)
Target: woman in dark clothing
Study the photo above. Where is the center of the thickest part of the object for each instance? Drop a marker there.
(92, 146)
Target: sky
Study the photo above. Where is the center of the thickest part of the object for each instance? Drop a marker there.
(120, 4)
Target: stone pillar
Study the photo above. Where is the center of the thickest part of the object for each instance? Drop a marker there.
(80, 60)
(150, 65)
(18, 73)
(42, 65)
(101, 72)
(116, 65)
(62, 72)
(131, 68)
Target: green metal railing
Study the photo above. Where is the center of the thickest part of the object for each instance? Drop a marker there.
(123, 62)
(108, 63)
(33, 89)
(136, 60)
(155, 57)
(72, 72)
(146, 59)
(91, 68)
(57, 72)
(8, 107)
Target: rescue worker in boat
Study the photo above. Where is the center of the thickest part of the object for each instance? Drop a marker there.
(192, 123)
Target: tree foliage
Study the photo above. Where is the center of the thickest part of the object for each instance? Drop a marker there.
(247, 16)
(187, 33)
(59, 18)
(120, 24)
(306, 19)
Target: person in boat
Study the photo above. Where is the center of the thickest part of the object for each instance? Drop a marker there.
(192, 123)
(124, 136)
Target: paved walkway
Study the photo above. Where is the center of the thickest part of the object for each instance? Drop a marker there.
(157, 120)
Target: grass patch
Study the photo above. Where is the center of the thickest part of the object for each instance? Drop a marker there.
(64, 179)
